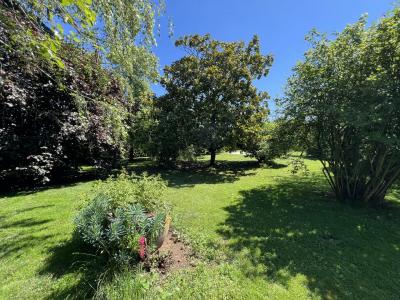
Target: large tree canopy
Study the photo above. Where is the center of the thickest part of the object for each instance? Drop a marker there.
(211, 101)
(346, 94)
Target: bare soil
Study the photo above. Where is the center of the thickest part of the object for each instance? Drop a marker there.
(178, 255)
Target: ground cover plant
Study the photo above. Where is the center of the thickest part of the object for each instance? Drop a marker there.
(259, 233)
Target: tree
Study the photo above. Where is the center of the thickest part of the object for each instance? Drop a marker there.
(54, 119)
(274, 141)
(346, 96)
(211, 101)
(69, 98)
(142, 128)
(120, 32)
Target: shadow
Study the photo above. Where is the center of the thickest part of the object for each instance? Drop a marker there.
(19, 211)
(297, 227)
(25, 191)
(275, 165)
(23, 234)
(190, 174)
(16, 243)
(19, 243)
(27, 223)
(182, 175)
(73, 258)
(69, 178)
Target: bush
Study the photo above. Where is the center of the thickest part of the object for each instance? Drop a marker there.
(345, 96)
(124, 234)
(124, 219)
(267, 152)
(189, 154)
(126, 189)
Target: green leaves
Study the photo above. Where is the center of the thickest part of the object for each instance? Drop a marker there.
(115, 231)
(63, 108)
(67, 2)
(211, 102)
(121, 31)
(345, 95)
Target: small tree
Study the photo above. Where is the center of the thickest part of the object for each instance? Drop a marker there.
(211, 102)
(346, 95)
(273, 142)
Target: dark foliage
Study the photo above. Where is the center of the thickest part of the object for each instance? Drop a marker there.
(53, 118)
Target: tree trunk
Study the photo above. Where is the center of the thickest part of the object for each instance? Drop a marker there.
(213, 153)
(131, 154)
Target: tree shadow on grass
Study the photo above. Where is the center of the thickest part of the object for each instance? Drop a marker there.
(70, 178)
(28, 209)
(16, 242)
(190, 174)
(25, 223)
(15, 245)
(183, 175)
(73, 258)
(344, 252)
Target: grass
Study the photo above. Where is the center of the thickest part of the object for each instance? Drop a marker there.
(260, 232)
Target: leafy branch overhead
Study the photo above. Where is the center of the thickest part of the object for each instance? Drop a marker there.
(121, 32)
(55, 118)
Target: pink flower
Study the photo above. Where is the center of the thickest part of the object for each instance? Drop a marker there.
(142, 247)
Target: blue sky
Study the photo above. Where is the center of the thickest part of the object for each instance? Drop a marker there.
(280, 24)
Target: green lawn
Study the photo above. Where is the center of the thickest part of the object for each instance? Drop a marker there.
(259, 233)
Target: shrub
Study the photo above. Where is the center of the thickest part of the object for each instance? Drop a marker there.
(126, 189)
(124, 219)
(124, 234)
(298, 167)
(345, 96)
(189, 154)
(267, 152)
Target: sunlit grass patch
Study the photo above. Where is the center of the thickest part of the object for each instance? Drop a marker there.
(258, 233)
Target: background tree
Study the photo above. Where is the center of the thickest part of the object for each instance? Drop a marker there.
(346, 95)
(273, 141)
(143, 128)
(211, 101)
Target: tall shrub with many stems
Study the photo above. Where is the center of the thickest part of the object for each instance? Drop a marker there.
(345, 97)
